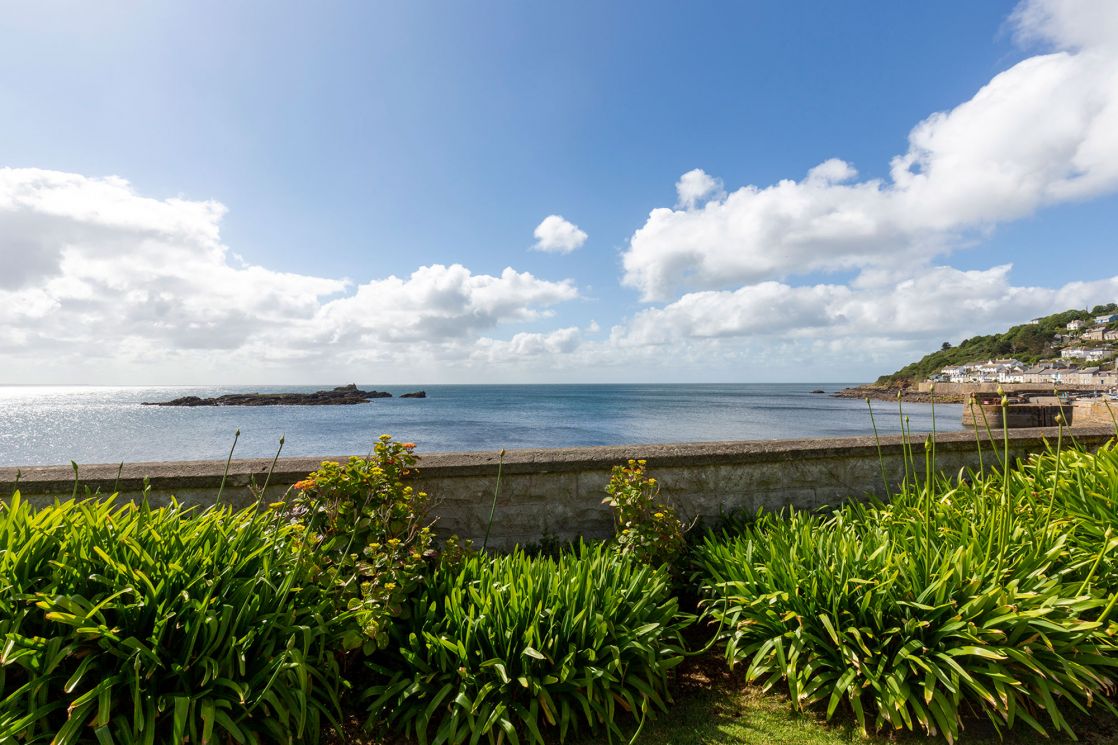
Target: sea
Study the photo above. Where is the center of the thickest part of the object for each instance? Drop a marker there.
(52, 425)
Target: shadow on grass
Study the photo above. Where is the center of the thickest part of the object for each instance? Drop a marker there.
(715, 707)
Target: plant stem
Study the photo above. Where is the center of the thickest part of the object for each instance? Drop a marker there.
(880, 456)
(493, 506)
(220, 489)
(272, 468)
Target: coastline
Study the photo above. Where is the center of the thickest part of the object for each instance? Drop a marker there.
(893, 392)
(110, 425)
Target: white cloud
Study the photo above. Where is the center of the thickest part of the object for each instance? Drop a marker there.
(436, 303)
(881, 316)
(556, 234)
(940, 302)
(100, 283)
(1037, 134)
(96, 274)
(1067, 24)
(695, 186)
(527, 345)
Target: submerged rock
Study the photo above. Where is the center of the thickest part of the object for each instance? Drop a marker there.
(416, 394)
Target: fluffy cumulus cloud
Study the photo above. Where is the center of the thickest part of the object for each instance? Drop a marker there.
(1037, 134)
(556, 234)
(95, 273)
(437, 302)
(939, 302)
(719, 268)
(528, 345)
(695, 186)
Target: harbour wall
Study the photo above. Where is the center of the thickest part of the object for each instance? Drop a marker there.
(557, 494)
(1078, 414)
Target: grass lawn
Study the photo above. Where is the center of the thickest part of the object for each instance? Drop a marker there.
(713, 706)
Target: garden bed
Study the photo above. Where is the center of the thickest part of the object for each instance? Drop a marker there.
(963, 606)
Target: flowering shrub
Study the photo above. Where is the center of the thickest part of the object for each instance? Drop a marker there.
(371, 534)
(647, 529)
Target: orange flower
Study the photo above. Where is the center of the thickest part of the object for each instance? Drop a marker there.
(304, 485)
(409, 446)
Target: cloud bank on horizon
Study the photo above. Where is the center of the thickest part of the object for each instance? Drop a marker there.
(119, 285)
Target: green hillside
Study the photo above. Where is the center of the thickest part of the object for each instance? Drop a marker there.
(1028, 342)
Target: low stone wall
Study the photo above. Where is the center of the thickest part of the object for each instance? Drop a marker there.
(1018, 415)
(557, 494)
(1095, 413)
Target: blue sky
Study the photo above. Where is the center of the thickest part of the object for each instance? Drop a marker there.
(364, 141)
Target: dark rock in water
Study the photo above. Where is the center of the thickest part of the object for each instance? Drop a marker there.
(417, 394)
(345, 395)
(819, 390)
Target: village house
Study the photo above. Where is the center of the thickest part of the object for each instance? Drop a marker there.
(952, 374)
(1100, 333)
(1081, 353)
(1093, 376)
(998, 370)
(991, 371)
(1108, 318)
(1047, 374)
(1076, 325)
(1036, 374)
(1085, 376)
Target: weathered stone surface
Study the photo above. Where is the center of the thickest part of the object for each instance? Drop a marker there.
(557, 494)
(345, 395)
(905, 392)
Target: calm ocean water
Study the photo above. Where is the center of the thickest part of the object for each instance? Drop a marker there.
(54, 425)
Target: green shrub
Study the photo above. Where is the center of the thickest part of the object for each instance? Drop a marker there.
(645, 527)
(952, 598)
(127, 624)
(1077, 494)
(371, 535)
(504, 648)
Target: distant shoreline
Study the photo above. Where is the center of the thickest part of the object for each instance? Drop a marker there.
(906, 394)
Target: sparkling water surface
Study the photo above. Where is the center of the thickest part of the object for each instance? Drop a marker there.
(43, 425)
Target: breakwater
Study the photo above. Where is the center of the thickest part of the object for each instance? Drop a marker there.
(557, 493)
(1044, 412)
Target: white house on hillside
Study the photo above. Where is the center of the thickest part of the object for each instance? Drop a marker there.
(991, 371)
(1079, 353)
(1108, 318)
(1076, 325)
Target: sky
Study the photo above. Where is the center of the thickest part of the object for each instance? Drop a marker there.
(498, 192)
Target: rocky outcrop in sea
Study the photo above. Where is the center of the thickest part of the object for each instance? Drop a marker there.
(345, 395)
(904, 393)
